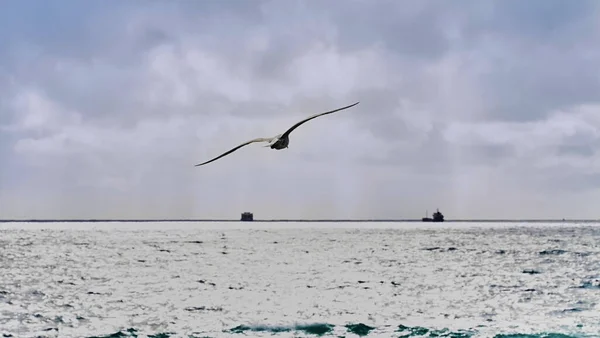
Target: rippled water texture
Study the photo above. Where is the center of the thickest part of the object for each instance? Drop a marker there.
(299, 279)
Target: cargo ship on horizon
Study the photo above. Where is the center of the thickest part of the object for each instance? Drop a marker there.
(436, 217)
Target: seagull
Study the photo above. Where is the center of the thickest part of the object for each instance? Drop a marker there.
(280, 141)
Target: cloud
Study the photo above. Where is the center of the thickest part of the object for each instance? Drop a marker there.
(483, 110)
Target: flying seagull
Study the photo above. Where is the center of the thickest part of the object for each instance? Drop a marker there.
(280, 141)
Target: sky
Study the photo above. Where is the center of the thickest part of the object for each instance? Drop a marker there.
(483, 109)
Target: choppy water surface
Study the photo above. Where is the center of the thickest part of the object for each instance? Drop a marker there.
(259, 279)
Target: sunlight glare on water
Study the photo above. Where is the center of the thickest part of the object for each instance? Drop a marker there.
(299, 279)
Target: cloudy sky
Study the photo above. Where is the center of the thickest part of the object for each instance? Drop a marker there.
(485, 109)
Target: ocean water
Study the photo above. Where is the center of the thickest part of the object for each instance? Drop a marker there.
(299, 280)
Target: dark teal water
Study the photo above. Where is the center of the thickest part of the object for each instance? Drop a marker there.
(351, 330)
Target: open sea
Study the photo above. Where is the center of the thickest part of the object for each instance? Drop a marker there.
(259, 279)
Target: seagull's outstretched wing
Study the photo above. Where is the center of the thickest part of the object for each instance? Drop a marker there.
(287, 133)
(236, 148)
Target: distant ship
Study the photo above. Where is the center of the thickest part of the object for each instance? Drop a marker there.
(437, 217)
(247, 217)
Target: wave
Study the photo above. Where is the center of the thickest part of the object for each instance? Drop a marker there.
(325, 329)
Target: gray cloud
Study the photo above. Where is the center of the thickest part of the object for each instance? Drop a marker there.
(109, 104)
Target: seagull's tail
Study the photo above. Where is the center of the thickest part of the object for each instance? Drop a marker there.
(273, 140)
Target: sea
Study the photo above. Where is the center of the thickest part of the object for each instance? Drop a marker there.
(300, 279)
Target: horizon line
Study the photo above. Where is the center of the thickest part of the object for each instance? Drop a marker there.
(95, 220)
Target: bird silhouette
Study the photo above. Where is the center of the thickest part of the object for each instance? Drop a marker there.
(280, 141)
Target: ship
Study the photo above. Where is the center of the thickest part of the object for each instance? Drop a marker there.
(247, 217)
(437, 217)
